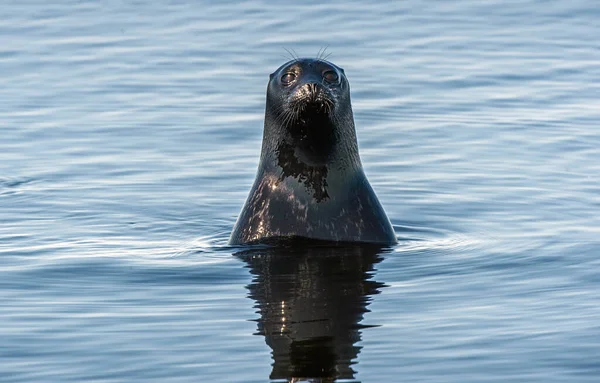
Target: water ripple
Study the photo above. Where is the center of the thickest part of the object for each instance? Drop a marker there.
(131, 135)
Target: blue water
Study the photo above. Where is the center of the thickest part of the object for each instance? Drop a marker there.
(129, 138)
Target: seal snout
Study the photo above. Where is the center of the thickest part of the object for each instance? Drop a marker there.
(313, 88)
(312, 96)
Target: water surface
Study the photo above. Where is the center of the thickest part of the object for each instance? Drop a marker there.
(130, 135)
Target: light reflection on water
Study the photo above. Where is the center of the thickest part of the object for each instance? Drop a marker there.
(311, 303)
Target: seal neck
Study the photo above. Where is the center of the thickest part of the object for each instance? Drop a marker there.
(309, 144)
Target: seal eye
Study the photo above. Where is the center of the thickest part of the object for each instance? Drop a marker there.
(288, 78)
(330, 76)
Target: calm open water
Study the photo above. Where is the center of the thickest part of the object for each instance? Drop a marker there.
(129, 138)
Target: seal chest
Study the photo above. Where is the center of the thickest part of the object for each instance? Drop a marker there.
(310, 182)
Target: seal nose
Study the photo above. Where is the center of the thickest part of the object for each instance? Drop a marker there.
(313, 88)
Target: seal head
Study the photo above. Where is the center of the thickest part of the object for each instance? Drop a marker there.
(310, 182)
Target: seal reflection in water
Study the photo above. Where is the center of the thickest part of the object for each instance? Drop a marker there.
(310, 182)
(311, 302)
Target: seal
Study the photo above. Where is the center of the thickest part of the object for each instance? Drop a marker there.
(310, 182)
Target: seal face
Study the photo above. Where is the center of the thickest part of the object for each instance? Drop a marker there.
(310, 182)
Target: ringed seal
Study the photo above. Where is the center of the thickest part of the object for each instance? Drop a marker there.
(310, 183)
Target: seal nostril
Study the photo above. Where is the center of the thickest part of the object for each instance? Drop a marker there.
(313, 89)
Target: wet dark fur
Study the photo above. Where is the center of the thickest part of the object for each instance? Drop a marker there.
(310, 181)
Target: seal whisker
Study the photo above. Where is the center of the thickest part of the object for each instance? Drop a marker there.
(287, 118)
(284, 116)
(282, 113)
(292, 56)
(297, 58)
(321, 54)
(290, 118)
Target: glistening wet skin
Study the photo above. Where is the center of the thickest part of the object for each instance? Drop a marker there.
(311, 302)
(310, 182)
